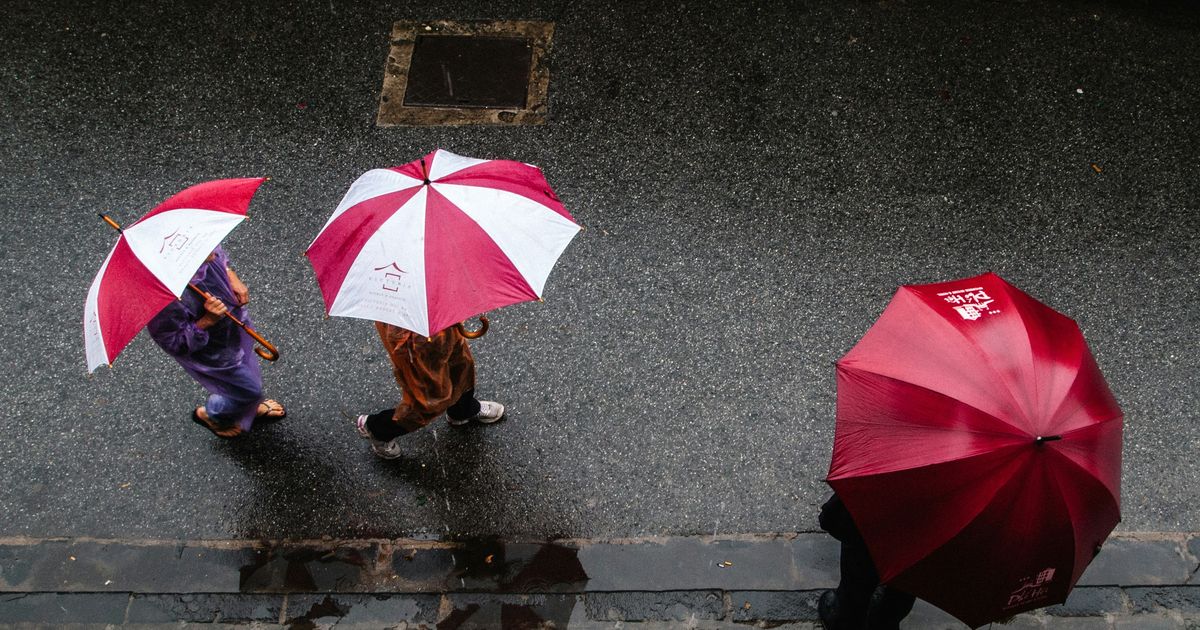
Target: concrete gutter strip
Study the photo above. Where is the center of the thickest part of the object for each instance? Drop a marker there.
(768, 580)
(799, 562)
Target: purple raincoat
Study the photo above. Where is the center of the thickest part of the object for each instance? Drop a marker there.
(220, 358)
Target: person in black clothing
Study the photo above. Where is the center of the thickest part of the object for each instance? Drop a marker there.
(855, 605)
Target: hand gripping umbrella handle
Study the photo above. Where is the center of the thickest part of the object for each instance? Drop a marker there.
(462, 330)
(265, 349)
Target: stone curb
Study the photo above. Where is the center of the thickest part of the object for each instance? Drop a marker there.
(1146, 580)
(1141, 607)
(799, 562)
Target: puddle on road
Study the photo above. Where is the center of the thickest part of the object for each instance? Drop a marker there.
(305, 570)
(488, 583)
(486, 565)
(493, 565)
(526, 613)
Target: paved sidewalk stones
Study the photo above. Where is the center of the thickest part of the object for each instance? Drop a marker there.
(1092, 601)
(677, 606)
(348, 609)
(774, 606)
(54, 608)
(1194, 556)
(204, 608)
(1127, 560)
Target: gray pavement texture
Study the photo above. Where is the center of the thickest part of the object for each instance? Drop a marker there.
(679, 582)
(756, 180)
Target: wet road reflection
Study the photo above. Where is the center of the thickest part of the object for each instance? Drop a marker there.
(493, 565)
(305, 570)
(485, 583)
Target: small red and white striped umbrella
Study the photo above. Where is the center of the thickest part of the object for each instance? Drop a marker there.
(154, 259)
(426, 245)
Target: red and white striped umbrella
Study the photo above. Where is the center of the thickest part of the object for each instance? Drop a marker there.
(154, 259)
(426, 245)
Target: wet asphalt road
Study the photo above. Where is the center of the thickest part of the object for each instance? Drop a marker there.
(756, 180)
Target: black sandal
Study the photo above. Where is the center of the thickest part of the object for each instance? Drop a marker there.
(225, 433)
(272, 405)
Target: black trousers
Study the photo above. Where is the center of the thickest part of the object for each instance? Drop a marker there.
(855, 609)
(384, 428)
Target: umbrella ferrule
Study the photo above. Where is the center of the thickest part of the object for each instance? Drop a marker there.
(110, 222)
(1042, 439)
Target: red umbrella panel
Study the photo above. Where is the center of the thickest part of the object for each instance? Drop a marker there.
(977, 447)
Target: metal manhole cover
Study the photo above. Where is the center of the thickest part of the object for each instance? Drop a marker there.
(457, 71)
(463, 73)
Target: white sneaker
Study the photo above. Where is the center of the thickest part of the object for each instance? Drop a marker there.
(489, 412)
(385, 450)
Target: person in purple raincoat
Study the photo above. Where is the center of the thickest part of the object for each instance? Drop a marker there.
(215, 351)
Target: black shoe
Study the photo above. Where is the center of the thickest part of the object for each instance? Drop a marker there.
(827, 609)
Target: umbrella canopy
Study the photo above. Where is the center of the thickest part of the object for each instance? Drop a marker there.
(977, 447)
(426, 245)
(154, 259)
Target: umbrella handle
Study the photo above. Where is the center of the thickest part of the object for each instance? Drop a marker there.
(265, 350)
(462, 330)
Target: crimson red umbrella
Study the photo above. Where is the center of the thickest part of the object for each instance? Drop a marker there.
(977, 447)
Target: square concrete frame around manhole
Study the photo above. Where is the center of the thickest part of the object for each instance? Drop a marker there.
(392, 108)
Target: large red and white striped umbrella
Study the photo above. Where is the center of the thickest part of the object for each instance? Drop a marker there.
(154, 259)
(426, 245)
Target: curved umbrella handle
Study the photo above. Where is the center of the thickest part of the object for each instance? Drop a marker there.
(264, 348)
(266, 351)
(462, 330)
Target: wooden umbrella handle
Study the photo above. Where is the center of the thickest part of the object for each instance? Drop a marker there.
(265, 349)
(462, 329)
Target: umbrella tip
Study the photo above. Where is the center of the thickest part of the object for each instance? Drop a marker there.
(1042, 439)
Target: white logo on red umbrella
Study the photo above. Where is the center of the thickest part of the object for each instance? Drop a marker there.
(1031, 589)
(971, 303)
(391, 279)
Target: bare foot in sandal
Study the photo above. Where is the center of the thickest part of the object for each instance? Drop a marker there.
(270, 411)
(200, 417)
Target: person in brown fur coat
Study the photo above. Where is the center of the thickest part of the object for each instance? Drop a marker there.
(436, 375)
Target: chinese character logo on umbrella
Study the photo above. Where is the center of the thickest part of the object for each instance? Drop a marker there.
(429, 244)
(977, 447)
